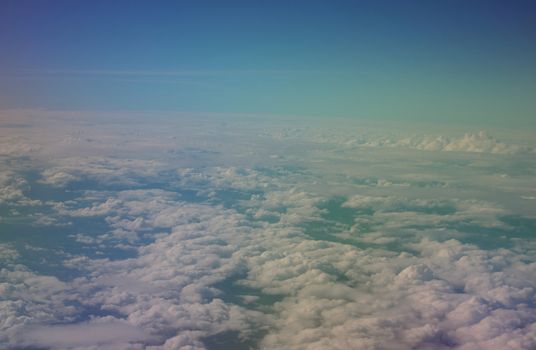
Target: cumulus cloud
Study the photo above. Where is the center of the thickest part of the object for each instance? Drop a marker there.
(58, 178)
(400, 301)
(13, 188)
(431, 294)
(308, 256)
(7, 253)
(28, 298)
(433, 212)
(103, 170)
(479, 142)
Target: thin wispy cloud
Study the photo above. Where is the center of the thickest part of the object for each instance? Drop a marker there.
(157, 73)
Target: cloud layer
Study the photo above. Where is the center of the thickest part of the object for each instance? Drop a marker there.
(269, 243)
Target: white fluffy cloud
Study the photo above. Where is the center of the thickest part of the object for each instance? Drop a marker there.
(479, 142)
(217, 245)
(332, 295)
(12, 190)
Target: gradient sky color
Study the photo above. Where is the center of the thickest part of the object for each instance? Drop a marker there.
(395, 60)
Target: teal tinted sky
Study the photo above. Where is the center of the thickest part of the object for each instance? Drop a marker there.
(394, 60)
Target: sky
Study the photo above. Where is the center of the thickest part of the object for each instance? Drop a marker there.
(470, 62)
(298, 175)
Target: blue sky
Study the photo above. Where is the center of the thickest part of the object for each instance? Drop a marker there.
(463, 61)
